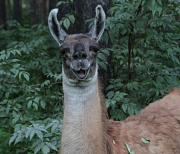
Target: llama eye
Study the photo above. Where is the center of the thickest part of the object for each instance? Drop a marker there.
(64, 51)
(94, 49)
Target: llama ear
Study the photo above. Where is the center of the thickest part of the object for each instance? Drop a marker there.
(99, 24)
(56, 31)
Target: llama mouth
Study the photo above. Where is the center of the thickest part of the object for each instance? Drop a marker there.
(81, 74)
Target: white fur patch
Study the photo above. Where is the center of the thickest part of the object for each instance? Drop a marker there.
(82, 117)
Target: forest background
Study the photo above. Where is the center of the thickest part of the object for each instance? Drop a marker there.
(139, 63)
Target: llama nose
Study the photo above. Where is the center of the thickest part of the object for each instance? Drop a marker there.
(80, 55)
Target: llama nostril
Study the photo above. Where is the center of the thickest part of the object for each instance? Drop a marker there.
(84, 55)
(75, 56)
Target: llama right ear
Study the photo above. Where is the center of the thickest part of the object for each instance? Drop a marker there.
(99, 24)
(56, 31)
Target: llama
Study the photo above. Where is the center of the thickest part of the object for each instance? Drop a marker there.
(86, 127)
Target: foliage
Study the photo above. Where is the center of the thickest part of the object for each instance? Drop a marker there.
(30, 98)
(68, 19)
(145, 53)
(142, 58)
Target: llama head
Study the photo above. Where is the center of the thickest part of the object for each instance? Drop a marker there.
(79, 51)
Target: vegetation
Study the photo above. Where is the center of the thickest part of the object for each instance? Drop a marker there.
(142, 60)
(145, 53)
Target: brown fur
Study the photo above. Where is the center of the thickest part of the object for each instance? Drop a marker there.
(159, 122)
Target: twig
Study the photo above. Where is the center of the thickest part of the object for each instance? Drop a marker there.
(53, 83)
(130, 44)
(21, 97)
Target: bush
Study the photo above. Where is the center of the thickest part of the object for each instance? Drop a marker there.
(30, 98)
(145, 53)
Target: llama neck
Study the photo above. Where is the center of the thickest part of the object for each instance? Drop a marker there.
(82, 124)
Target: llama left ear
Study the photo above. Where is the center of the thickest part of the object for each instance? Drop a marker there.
(56, 31)
(99, 24)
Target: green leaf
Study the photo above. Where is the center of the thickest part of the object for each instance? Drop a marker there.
(176, 36)
(35, 105)
(145, 140)
(54, 127)
(39, 134)
(129, 149)
(59, 3)
(130, 109)
(37, 99)
(26, 76)
(156, 7)
(19, 137)
(110, 94)
(15, 120)
(51, 146)
(66, 23)
(12, 138)
(124, 107)
(160, 2)
(153, 2)
(38, 147)
(27, 133)
(20, 74)
(36, 143)
(103, 65)
(107, 103)
(16, 73)
(106, 51)
(32, 133)
(49, 125)
(29, 104)
(45, 149)
(43, 105)
(72, 18)
(110, 87)
(102, 56)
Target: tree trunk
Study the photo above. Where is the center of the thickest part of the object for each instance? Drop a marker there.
(42, 10)
(52, 4)
(17, 10)
(8, 13)
(33, 7)
(85, 9)
(2, 13)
